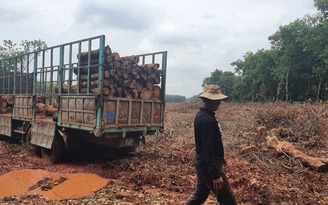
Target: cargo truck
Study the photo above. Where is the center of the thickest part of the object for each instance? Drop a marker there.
(56, 98)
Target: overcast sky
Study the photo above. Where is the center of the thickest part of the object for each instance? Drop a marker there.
(199, 35)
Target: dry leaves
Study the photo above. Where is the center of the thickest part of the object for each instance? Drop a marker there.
(162, 171)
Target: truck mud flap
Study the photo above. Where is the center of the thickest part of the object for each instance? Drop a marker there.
(43, 134)
(5, 125)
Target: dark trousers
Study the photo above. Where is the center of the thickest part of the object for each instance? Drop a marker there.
(205, 185)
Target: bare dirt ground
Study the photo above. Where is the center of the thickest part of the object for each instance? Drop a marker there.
(162, 171)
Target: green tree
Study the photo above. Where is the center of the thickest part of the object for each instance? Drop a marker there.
(294, 69)
(316, 43)
(10, 49)
(174, 98)
(322, 6)
(241, 90)
(223, 79)
(292, 59)
(256, 82)
(194, 99)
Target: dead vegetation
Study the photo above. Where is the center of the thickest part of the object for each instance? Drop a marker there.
(162, 171)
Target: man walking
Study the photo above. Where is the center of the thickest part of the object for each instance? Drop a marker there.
(209, 158)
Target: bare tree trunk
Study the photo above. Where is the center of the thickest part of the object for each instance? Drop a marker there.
(308, 90)
(279, 89)
(319, 88)
(287, 78)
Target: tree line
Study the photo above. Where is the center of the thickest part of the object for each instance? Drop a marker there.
(295, 68)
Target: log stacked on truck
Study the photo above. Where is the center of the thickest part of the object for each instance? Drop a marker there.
(123, 76)
(7, 102)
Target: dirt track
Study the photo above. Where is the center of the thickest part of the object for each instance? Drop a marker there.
(162, 172)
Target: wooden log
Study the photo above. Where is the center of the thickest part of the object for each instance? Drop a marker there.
(127, 65)
(83, 90)
(144, 76)
(129, 95)
(65, 87)
(92, 62)
(106, 91)
(126, 75)
(1, 101)
(3, 110)
(288, 148)
(107, 74)
(93, 83)
(74, 89)
(40, 107)
(146, 94)
(116, 56)
(139, 86)
(135, 93)
(110, 58)
(84, 70)
(133, 84)
(83, 56)
(112, 72)
(119, 92)
(108, 50)
(135, 71)
(4, 104)
(50, 110)
(6, 110)
(40, 99)
(93, 54)
(107, 82)
(149, 67)
(134, 59)
(150, 84)
(126, 83)
(9, 99)
(94, 76)
(157, 92)
(120, 72)
(157, 80)
(95, 90)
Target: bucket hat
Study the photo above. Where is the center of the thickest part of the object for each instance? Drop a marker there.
(212, 92)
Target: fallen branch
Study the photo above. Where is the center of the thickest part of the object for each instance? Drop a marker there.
(286, 147)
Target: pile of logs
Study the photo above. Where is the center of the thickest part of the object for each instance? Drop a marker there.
(43, 109)
(7, 102)
(123, 76)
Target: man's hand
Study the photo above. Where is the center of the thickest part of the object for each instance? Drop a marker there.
(218, 184)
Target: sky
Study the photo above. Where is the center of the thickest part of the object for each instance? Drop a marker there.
(199, 35)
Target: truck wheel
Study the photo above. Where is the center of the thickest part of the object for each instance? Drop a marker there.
(32, 147)
(57, 151)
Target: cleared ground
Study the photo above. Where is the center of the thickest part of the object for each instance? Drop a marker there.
(162, 172)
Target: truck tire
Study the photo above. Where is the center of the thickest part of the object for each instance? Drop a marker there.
(35, 149)
(57, 151)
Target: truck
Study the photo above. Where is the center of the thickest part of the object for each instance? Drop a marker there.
(54, 99)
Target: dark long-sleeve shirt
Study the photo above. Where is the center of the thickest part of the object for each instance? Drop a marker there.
(209, 146)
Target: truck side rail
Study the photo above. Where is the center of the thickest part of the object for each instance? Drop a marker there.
(71, 77)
